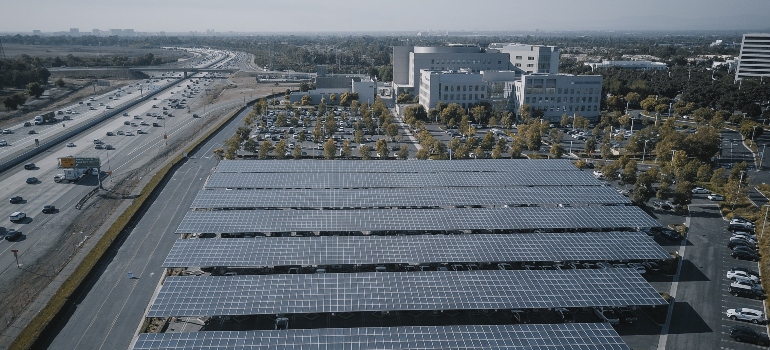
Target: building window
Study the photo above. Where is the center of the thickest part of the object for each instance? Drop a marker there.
(477, 88)
(476, 96)
(530, 65)
(482, 95)
(465, 88)
(530, 58)
(483, 88)
(446, 88)
(518, 57)
(464, 97)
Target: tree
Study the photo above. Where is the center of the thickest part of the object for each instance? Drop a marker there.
(633, 98)
(297, 153)
(306, 100)
(366, 152)
(628, 175)
(382, 148)
(488, 142)
(751, 129)
(330, 149)
(422, 154)
(590, 145)
(60, 82)
(14, 101)
(280, 149)
(649, 103)
(34, 89)
(346, 151)
(557, 150)
(265, 149)
(403, 152)
(250, 146)
(718, 177)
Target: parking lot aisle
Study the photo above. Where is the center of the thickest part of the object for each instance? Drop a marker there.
(698, 314)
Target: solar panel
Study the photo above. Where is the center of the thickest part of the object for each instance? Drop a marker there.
(417, 249)
(584, 336)
(357, 166)
(194, 296)
(517, 218)
(406, 197)
(398, 180)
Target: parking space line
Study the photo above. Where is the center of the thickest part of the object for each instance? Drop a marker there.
(674, 285)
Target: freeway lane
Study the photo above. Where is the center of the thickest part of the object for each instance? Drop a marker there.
(107, 312)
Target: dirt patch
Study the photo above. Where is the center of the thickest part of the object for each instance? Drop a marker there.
(245, 85)
(51, 51)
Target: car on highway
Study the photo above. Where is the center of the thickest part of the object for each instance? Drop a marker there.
(99, 146)
(32, 132)
(128, 133)
(29, 166)
(746, 314)
(715, 197)
(18, 216)
(31, 180)
(748, 335)
(109, 147)
(110, 133)
(126, 122)
(12, 235)
(3, 143)
(70, 144)
(120, 132)
(700, 190)
(49, 209)
(7, 131)
(16, 199)
(144, 123)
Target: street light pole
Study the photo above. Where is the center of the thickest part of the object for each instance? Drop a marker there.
(761, 156)
(645, 150)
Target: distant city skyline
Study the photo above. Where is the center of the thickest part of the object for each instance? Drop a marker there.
(395, 15)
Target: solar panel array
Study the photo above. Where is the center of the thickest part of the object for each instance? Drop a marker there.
(356, 166)
(584, 336)
(194, 296)
(406, 197)
(418, 249)
(398, 180)
(517, 218)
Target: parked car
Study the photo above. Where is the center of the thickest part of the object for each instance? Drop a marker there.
(746, 314)
(746, 292)
(748, 335)
(743, 271)
(715, 197)
(671, 235)
(744, 255)
(16, 199)
(739, 228)
(700, 190)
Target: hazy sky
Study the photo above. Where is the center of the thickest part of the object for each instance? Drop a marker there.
(388, 15)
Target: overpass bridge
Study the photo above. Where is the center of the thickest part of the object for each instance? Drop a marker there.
(186, 71)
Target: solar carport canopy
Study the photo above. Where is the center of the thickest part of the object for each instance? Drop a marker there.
(387, 291)
(406, 197)
(516, 218)
(398, 180)
(357, 166)
(583, 336)
(417, 249)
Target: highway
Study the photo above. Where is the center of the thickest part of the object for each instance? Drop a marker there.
(107, 313)
(47, 238)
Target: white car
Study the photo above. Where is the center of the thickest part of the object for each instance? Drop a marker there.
(745, 314)
(715, 197)
(744, 223)
(70, 144)
(700, 190)
(3, 143)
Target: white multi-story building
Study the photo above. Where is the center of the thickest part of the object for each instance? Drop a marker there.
(559, 94)
(462, 87)
(640, 65)
(408, 61)
(755, 56)
(530, 58)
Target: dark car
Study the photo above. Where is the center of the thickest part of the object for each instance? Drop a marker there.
(29, 166)
(12, 235)
(16, 199)
(739, 228)
(49, 209)
(670, 234)
(748, 335)
(744, 255)
(745, 292)
(738, 244)
(747, 249)
(31, 180)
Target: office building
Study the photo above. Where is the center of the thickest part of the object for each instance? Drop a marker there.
(558, 94)
(530, 58)
(639, 65)
(755, 56)
(74, 31)
(408, 61)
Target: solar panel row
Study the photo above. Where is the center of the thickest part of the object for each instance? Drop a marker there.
(418, 249)
(398, 180)
(584, 336)
(405, 197)
(387, 291)
(356, 166)
(518, 218)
